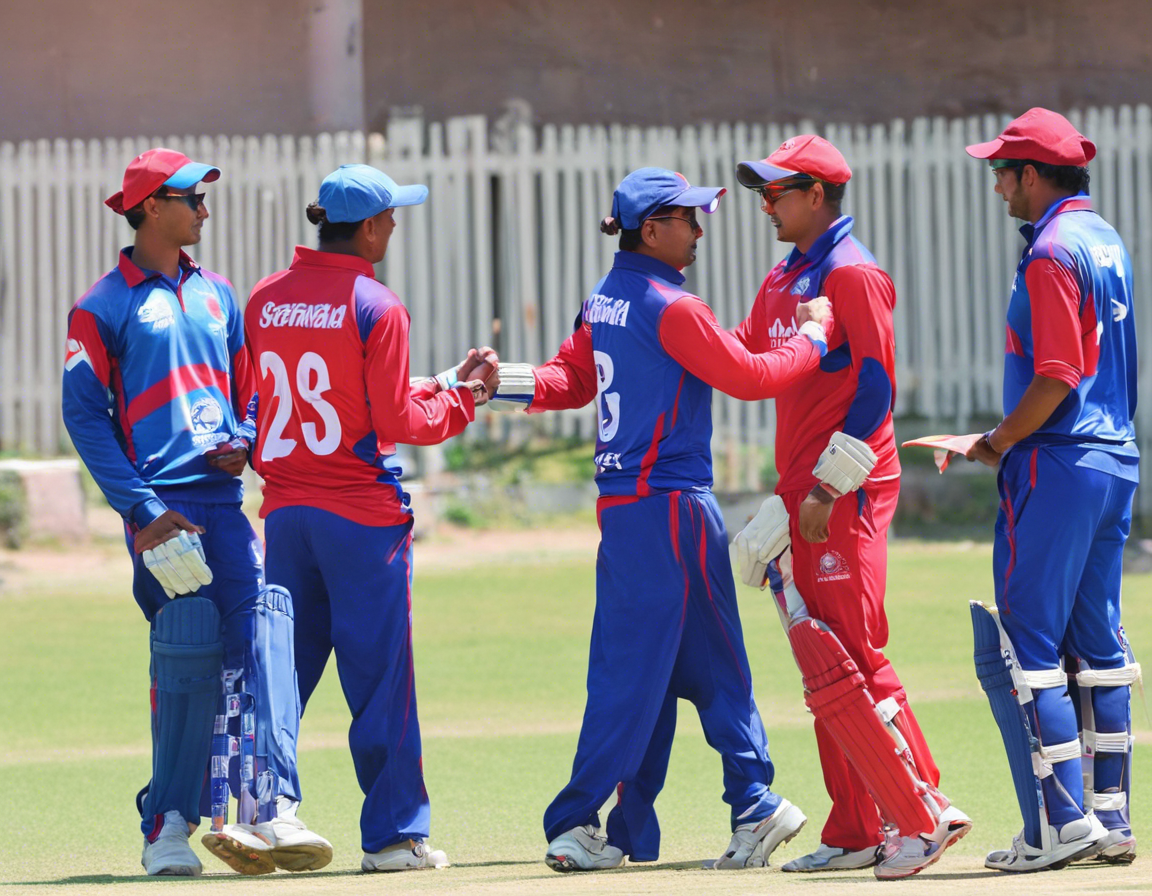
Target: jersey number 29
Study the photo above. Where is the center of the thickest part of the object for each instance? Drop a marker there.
(275, 445)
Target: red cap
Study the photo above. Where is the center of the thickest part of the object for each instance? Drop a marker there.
(1042, 136)
(806, 154)
(157, 168)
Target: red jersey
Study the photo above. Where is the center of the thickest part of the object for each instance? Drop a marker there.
(329, 350)
(854, 388)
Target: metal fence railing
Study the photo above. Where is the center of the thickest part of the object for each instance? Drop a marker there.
(507, 245)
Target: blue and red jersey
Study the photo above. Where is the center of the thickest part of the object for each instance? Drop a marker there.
(1070, 318)
(650, 353)
(155, 375)
(329, 353)
(854, 389)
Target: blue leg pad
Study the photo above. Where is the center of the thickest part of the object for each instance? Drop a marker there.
(994, 670)
(270, 676)
(186, 659)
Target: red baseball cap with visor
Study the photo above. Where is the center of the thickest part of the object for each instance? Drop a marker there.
(806, 154)
(157, 168)
(1039, 135)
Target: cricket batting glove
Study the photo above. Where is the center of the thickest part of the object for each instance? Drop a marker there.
(763, 540)
(517, 388)
(178, 564)
(845, 464)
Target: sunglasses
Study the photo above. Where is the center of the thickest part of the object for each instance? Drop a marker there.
(773, 191)
(690, 220)
(192, 200)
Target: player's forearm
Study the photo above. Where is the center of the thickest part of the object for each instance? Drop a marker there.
(561, 385)
(427, 421)
(1038, 403)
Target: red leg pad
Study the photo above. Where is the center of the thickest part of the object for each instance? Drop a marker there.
(835, 693)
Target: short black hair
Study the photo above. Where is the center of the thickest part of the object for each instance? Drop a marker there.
(1064, 177)
(834, 195)
(331, 231)
(135, 216)
(630, 240)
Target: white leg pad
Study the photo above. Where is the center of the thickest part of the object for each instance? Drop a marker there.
(1044, 679)
(1109, 678)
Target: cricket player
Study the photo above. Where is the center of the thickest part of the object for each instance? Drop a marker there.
(649, 353)
(155, 383)
(329, 345)
(1068, 469)
(840, 413)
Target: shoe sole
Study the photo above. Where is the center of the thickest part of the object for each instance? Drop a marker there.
(1086, 853)
(955, 835)
(175, 871)
(240, 858)
(565, 865)
(830, 867)
(301, 858)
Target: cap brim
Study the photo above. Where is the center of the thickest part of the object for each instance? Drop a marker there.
(413, 194)
(706, 198)
(756, 174)
(191, 174)
(985, 150)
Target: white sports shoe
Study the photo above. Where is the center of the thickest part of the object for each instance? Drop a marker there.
(411, 855)
(1118, 848)
(297, 848)
(1079, 839)
(169, 854)
(753, 843)
(834, 858)
(582, 849)
(905, 856)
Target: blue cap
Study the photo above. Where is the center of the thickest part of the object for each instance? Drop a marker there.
(358, 192)
(645, 190)
(191, 174)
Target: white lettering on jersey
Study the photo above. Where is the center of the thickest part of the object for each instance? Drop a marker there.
(606, 459)
(1110, 256)
(301, 314)
(606, 310)
(1119, 310)
(75, 354)
(156, 311)
(780, 332)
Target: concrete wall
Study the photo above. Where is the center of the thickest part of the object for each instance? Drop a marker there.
(87, 68)
(678, 61)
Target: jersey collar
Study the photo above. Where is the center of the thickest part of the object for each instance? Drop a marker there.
(646, 264)
(316, 258)
(824, 244)
(134, 275)
(1078, 203)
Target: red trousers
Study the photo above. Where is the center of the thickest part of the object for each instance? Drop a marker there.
(842, 582)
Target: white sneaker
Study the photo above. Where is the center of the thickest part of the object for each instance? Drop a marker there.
(1118, 848)
(905, 856)
(170, 854)
(753, 843)
(411, 855)
(833, 858)
(297, 848)
(245, 848)
(582, 849)
(1076, 840)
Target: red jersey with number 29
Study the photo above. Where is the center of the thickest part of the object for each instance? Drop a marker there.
(329, 348)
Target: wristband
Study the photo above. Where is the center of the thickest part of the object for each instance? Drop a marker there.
(447, 379)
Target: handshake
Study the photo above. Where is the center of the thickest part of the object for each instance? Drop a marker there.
(503, 387)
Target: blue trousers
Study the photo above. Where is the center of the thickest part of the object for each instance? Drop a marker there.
(1057, 563)
(352, 592)
(666, 626)
(233, 553)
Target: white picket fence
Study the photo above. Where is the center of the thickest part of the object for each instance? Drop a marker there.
(508, 245)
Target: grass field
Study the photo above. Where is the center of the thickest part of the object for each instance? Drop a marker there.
(501, 642)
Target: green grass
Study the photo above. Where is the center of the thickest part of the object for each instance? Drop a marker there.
(501, 656)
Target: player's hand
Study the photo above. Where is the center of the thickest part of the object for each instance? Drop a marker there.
(478, 364)
(229, 456)
(817, 310)
(983, 451)
(168, 525)
(762, 541)
(813, 521)
(479, 392)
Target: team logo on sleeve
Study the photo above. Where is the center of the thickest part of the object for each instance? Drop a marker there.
(832, 567)
(75, 354)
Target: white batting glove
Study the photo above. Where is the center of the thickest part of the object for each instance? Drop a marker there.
(178, 564)
(517, 388)
(763, 540)
(845, 464)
